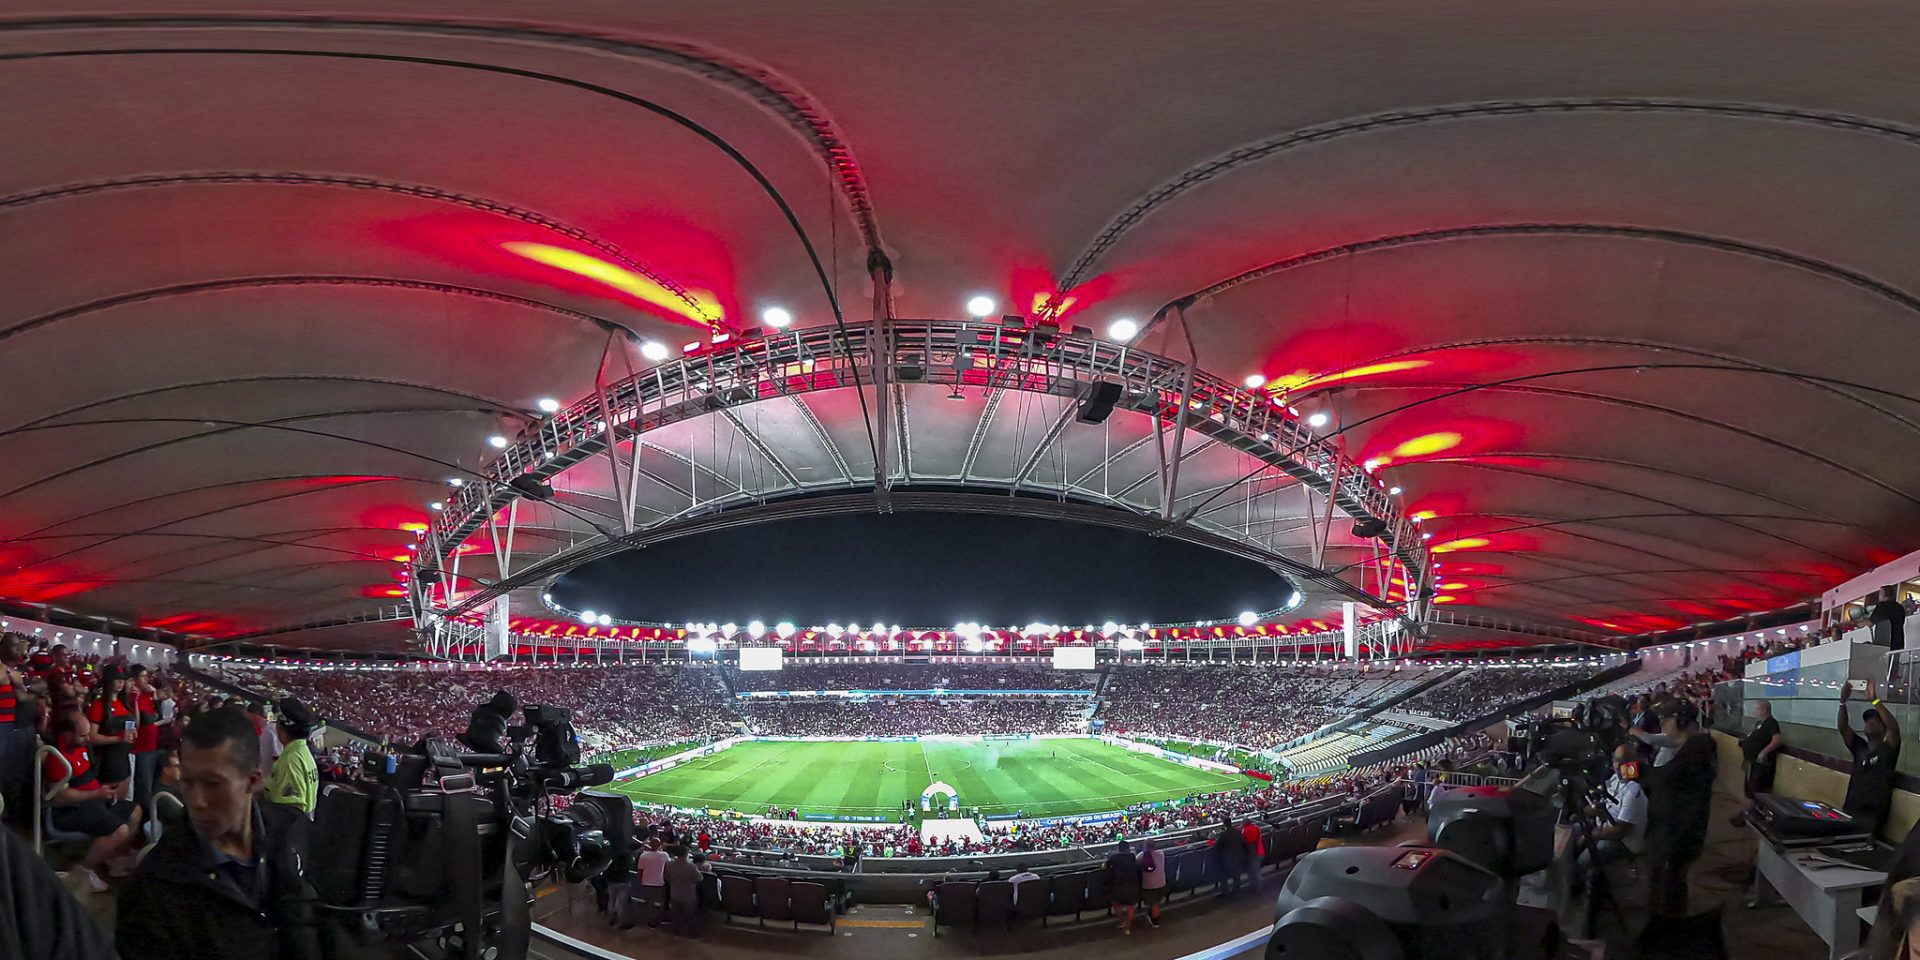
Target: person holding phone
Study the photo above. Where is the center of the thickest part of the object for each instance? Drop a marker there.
(112, 736)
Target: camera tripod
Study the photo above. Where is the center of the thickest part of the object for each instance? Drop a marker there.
(1586, 811)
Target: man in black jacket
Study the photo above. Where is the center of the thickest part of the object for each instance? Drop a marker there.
(1230, 856)
(1679, 794)
(229, 883)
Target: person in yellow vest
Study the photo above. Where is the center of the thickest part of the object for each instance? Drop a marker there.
(295, 780)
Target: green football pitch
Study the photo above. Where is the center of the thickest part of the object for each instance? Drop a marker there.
(1043, 778)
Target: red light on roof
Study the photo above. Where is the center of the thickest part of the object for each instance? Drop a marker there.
(1464, 543)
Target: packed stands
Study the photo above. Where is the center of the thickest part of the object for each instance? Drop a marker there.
(901, 716)
(611, 706)
(801, 675)
(904, 717)
(1476, 692)
(1256, 707)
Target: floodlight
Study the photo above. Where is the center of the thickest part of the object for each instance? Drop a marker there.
(1317, 419)
(1123, 329)
(980, 307)
(784, 630)
(653, 350)
(497, 442)
(1248, 617)
(756, 629)
(776, 317)
(548, 405)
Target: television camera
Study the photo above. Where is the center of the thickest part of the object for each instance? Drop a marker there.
(1440, 900)
(443, 840)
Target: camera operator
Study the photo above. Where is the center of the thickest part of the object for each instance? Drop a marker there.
(228, 883)
(1679, 794)
(1626, 835)
(1870, 790)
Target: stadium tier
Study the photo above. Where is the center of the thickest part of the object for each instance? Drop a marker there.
(1014, 740)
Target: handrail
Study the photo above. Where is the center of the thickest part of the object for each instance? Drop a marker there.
(42, 794)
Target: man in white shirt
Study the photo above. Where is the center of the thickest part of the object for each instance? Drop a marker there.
(1026, 873)
(1627, 806)
(647, 891)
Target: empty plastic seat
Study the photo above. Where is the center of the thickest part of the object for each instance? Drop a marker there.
(1069, 894)
(770, 899)
(995, 898)
(736, 896)
(1031, 899)
(808, 904)
(954, 905)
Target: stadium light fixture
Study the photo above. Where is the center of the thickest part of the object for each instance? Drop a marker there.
(784, 630)
(834, 630)
(588, 616)
(653, 350)
(497, 442)
(756, 629)
(1247, 618)
(1294, 599)
(1317, 419)
(604, 619)
(776, 317)
(547, 405)
(980, 306)
(1393, 491)
(456, 482)
(728, 630)
(1131, 645)
(1255, 381)
(436, 505)
(1109, 628)
(974, 645)
(1123, 329)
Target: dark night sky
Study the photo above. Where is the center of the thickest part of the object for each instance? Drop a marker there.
(922, 569)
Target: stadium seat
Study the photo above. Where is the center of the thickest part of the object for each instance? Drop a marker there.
(1031, 899)
(954, 905)
(1069, 895)
(1191, 870)
(996, 903)
(736, 896)
(771, 899)
(808, 904)
(710, 892)
(1273, 841)
(1099, 892)
(44, 830)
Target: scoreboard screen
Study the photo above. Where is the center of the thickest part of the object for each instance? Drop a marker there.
(760, 658)
(1073, 658)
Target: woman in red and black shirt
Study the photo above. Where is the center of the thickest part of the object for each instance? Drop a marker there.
(83, 805)
(112, 736)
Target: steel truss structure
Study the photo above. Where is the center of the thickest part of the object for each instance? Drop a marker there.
(734, 372)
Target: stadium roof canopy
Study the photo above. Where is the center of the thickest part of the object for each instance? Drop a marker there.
(1620, 295)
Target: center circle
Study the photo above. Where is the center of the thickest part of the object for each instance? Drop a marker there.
(922, 569)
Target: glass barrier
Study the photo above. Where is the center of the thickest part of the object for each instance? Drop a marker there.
(1804, 687)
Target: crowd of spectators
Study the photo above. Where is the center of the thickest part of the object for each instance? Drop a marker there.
(611, 706)
(1256, 707)
(801, 675)
(770, 841)
(909, 716)
(1478, 691)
